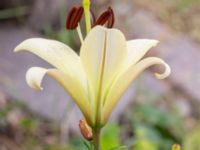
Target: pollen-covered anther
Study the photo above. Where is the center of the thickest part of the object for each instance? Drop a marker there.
(85, 129)
(106, 17)
(74, 18)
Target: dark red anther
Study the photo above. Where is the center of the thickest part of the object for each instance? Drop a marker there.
(77, 18)
(103, 18)
(106, 17)
(74, 18)
(75, 15)
(70, 17)
(111, 20)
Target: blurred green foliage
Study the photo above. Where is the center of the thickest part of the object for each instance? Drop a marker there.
(110, 139)
(143, 144)
(16, 12)
(154, 128)
(28, 124)
(78, 143)
(110, 136)
(192, 140)
(184, 4)
(176, 147)
(119, 148)
(61, 33)
(147, 128)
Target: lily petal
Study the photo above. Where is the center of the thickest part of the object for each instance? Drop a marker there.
(56, 53)
(35, 75)
(102, 55)
(137, 49)
(126, 78)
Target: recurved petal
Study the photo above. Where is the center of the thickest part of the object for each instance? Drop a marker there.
(126, 78)
(35, 75)
(102, 55)
(137, 49)
(56, 53)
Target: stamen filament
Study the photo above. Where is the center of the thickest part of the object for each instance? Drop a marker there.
(80, 33)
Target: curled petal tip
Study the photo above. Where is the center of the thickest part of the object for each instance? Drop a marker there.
(34, 77)
(165, 74)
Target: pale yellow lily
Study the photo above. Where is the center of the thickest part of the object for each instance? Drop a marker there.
(97, 78)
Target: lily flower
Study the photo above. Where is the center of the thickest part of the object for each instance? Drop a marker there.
(98, 77)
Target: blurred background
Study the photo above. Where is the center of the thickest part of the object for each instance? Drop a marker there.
(152, 114)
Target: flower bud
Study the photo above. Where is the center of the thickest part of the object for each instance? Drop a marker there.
(85, 129)
(176, 147)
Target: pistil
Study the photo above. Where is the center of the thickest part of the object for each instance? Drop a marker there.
(86, 6)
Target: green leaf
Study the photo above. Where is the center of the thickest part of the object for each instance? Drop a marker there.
(110, 136)
(88, 145)
(191, 141)
(77, 143)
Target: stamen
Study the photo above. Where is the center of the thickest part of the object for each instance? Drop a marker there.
(106, 16)
(80, 33)
(111, 20)
(74, 18)
(76, 13)
(70, 16)
(77, 17)
(103, 18)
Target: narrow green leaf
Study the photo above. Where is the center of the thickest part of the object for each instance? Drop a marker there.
(87, 145)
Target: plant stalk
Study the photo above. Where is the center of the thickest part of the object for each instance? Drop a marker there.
(97, 138)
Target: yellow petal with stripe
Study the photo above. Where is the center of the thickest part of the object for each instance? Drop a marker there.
(137, 49)
(57, 54)
(126, 78)
(102, 55)
(35, 75)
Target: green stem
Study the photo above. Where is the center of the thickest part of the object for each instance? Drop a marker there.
(86, 6)
(97, 138)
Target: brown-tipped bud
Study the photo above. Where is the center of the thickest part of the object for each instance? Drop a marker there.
(106, 17)
(74, 18)
(85, 129)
